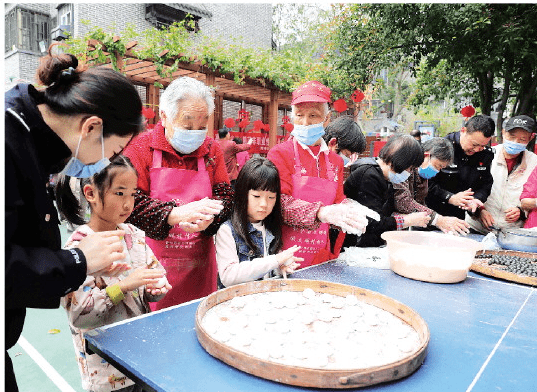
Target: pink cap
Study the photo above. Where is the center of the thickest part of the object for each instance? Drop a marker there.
(311, 92)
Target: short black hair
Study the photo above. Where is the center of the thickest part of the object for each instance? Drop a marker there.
(222, 133)
(481, 123)
(348, 134)
(402, 152)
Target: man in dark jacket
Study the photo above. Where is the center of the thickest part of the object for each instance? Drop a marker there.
(466, 184)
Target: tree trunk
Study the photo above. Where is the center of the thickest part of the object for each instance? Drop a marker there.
(486, 80)
(527, 96)
(505, 95)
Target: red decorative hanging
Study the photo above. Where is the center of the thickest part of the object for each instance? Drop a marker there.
(266, 127)
(286, 119)
(258, 124)
(244, 123)
(288, 127)
(229, 122)
(357, 96)
(148, 113)
(468, 111)
(340, 105)
(244, 114)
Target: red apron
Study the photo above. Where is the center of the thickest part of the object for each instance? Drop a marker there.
(315, 244)
(189, 258)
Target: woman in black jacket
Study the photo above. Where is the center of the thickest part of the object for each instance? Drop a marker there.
(90, 114)
(370, 184)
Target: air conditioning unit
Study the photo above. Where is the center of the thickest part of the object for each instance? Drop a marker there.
(60, 32)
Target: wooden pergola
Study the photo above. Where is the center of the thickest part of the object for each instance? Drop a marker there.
(258, 91)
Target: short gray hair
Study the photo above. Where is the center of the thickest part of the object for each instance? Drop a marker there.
(325, 107)
(439, 148)
(182, 89)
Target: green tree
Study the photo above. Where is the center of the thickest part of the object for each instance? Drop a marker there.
(491, 48)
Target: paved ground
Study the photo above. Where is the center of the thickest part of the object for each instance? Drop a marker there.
(52, 365)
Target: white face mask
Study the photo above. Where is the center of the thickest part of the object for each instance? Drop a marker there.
(187, 141)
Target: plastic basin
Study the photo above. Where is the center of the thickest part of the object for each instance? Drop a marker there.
(430, 257)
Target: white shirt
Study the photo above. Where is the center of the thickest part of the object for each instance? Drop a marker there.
(232, 271)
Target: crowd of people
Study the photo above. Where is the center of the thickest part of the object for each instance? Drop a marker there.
(175, 216)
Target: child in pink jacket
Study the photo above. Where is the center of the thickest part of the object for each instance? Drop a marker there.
(105, 300)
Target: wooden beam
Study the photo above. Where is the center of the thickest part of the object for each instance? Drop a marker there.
(273, 118)
(211, 123)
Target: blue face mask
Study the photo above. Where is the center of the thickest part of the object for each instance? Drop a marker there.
(513, 148)
(428, 172)
(75, 168)
(397, 178)
(186, 141)
(345, 159)
(308, 134)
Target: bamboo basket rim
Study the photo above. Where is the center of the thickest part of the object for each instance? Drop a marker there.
(307, 376)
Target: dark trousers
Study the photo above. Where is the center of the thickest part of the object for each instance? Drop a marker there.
(11, 382)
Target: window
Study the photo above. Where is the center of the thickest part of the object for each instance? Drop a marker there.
(65, 14)
(163, 15)
(24, 29)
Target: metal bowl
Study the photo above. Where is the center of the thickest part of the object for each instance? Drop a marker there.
(523, 240)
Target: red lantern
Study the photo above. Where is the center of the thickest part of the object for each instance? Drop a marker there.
(266, 127)
(286, 119)
(340, 105)
(244, 123)
(468, 111)
(229, 122)
(148, 113)
(357, 96)
(288, 127)
(258, 124)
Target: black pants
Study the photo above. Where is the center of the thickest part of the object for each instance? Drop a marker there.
(11, 382)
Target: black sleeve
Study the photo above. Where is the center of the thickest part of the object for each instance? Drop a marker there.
(436, 192)
(34, 274)
(367, 188)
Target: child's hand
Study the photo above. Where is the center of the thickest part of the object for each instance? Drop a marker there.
(161, 287)
(115, 269)
(287, 257)
(290, 268)
(141, 277)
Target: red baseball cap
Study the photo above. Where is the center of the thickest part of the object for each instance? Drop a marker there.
(312, 91)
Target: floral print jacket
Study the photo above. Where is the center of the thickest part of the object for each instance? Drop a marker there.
(90, 307)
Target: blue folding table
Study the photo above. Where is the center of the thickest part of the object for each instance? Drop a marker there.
(483, 338)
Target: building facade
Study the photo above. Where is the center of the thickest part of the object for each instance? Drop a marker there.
(31, 27)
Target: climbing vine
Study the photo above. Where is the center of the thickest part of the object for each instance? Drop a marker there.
(285, 69)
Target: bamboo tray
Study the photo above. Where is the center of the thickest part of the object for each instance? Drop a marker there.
(315, 377)
(497, 271)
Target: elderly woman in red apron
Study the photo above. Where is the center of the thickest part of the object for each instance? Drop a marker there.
(184, 191)
(312, 181)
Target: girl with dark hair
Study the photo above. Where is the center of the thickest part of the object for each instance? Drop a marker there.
(247, 245)
(85, 115)
(371, 184)
(104, 300)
